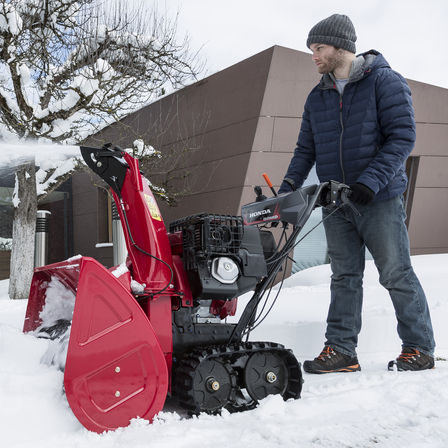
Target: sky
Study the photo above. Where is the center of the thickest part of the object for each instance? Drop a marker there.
(411, 34)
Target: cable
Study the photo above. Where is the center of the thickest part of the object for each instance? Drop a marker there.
(258, 321)
(270, 278)
(273, 257)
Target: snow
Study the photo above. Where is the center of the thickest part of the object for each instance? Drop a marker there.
(136, 287)
(49, 157)
(10, 20)
(99, 245)
(15, 194)
(46, 155)
(371, 408)
(144, 150)
(5, 243)
(63, 167)
(120, 270)
(59, 303)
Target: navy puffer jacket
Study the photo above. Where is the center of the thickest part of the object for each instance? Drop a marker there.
(364, 135)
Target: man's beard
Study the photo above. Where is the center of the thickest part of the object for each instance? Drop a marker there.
(331, 64)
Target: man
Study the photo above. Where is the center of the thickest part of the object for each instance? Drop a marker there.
(358, 128)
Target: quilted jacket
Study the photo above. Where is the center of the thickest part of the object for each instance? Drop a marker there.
(364, 135)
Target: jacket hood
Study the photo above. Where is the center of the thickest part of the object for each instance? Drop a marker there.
(362, 66)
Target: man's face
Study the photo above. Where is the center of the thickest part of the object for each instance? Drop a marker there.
(326, 58)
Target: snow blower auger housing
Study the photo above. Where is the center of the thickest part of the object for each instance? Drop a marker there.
(129, 336)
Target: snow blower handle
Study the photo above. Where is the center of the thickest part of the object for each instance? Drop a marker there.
(339, 193)
(268, 181)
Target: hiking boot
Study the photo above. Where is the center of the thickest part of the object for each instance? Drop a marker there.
(411, 359)
(330, 360)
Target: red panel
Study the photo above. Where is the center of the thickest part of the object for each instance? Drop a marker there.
(147, 229)
(224, 308)
(115, 368)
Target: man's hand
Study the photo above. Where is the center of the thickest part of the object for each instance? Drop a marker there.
(361, 194)
(287, 186)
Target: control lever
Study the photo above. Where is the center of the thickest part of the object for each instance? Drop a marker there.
(268, 181)
(341, 192)
(259, 194)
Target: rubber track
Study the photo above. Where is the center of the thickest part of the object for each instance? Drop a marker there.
(235, 356)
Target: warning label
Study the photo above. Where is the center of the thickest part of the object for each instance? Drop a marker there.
(153, 208)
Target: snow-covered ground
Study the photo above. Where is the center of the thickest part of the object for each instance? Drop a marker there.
(371, 408)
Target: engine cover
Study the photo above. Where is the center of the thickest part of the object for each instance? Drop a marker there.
(222, 257)
(225, 270)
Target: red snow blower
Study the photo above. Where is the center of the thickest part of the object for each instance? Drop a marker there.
(129, 336)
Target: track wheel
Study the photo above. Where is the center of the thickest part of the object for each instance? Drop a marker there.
(212, 386)
(265, 374)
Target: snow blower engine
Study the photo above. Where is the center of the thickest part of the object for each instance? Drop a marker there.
(130, 336)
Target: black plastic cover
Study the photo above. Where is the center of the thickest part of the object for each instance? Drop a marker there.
(108, 164)
(294, 207)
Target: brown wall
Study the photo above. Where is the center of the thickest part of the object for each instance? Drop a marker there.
(217, 118)
(291, 77)
(429, 214)
(87, 222)
(5, 258)
(244, 121)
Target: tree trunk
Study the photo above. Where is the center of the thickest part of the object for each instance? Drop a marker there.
(23, 232)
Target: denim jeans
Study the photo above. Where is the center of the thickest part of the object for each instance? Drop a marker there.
(381, 228)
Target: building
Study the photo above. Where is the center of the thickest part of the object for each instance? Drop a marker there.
(227, 129)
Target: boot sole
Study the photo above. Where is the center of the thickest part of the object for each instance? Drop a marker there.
(408, 368)
(353, 368)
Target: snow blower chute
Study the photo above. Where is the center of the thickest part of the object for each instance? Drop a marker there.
(129, 336)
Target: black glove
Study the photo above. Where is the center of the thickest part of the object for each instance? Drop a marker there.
(361, 194)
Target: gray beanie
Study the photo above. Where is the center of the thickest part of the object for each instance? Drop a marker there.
(336, 30)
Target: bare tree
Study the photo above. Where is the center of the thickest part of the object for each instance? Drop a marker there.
(70, 67)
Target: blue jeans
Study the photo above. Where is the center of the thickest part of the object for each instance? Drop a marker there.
(381, 228)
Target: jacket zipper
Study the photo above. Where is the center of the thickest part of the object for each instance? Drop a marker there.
(340, 138)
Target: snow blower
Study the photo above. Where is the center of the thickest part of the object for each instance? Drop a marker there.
(156, 327)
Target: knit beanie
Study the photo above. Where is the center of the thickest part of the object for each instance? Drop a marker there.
(336, 30)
